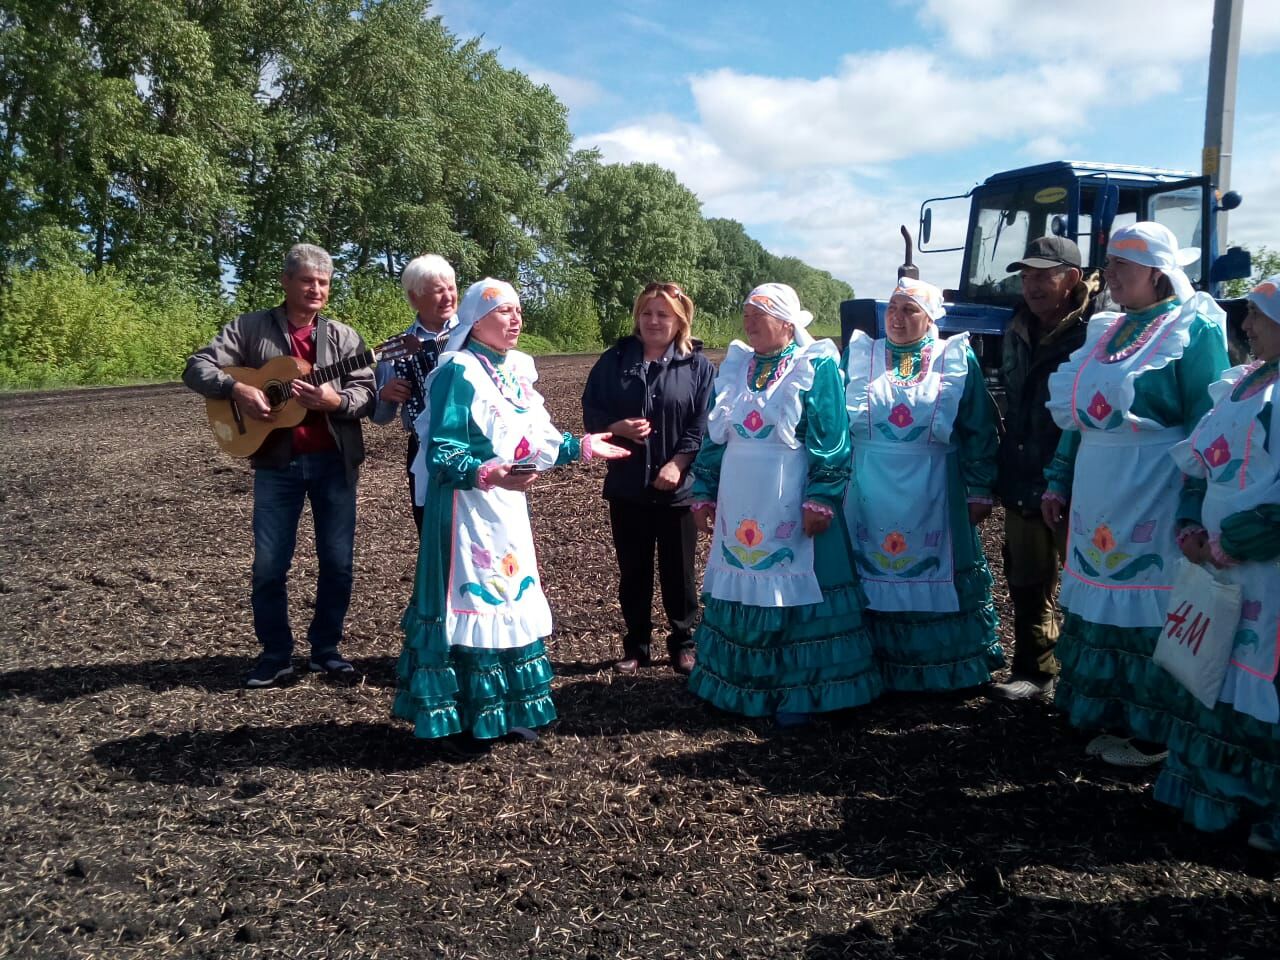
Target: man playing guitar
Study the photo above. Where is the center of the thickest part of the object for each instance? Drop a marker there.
(318, 460)
(431, 289)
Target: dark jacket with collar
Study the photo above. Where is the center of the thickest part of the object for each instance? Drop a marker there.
(251, 340)
(673, 398)
(1031, 436)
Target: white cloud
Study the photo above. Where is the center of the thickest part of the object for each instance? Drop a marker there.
(1047, 148)
(684, 148)
(885, 106)
(1105, 32)
(574, 92)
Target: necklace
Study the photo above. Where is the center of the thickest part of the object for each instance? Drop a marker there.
(908, 363)
(1256, 379)
(1131, 333)
(508, 385)
(765, 371)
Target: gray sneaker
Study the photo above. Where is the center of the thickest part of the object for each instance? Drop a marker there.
(1022, 689)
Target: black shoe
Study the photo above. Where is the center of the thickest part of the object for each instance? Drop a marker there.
(334, 666)
(268, 673)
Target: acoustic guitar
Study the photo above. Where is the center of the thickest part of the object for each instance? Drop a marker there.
(240, 435)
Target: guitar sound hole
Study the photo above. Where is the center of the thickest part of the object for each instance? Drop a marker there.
(277, 393)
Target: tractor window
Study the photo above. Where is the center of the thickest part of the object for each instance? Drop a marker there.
(1180, 211)
(1006, 220)
(1126, 213)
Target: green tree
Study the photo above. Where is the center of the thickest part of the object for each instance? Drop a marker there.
(630, 224)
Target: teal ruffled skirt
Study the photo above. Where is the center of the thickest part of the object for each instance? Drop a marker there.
(445, 690)
(1223, 766)
(759, 661)
(941, 651)
(1109, 682)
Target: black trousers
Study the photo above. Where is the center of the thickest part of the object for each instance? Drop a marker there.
(638, 529)
(408, 468)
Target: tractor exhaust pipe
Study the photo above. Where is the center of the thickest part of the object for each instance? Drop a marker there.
(908, 269)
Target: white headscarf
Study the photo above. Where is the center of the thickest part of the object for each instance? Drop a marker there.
(926, 295)
(481, 299)
(1153, 244)
(781, 302)
(1266, 297)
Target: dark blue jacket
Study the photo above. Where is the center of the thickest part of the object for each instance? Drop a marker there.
(674, 400)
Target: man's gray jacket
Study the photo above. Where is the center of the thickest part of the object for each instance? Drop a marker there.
(254, 338)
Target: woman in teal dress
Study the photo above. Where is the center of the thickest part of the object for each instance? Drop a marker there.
(924, 437)
(1123, 400)
(473, 660)
(781, 632)
(1224, 763)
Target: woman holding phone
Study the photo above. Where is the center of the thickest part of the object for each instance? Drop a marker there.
(473, 661)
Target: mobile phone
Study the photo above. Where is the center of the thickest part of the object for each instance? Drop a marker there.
(523, 467)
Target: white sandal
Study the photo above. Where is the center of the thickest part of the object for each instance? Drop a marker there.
(1101, 742)
(1125, 754)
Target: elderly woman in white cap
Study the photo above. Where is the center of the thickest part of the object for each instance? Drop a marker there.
(781, 632)
(1123, 400)
(473, 660)
(1224, 763)
(924, 463)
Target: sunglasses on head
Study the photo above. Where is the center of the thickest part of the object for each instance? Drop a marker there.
(672, 289)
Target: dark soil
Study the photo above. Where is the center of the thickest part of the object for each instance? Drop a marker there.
(153, 808)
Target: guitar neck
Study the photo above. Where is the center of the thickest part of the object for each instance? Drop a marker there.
(333, 371)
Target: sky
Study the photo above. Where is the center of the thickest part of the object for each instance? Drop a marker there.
(821, 126)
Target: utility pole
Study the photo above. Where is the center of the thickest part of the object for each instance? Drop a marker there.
(1220, 105)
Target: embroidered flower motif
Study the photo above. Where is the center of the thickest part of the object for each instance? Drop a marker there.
(749, 533)
(933, 538)
(894, 544)
(522, 449)
(1218, 452)
(753, 421)
(1251, 610)
(1143, 532)
(1103, 538)
(509, 566)
(863, 533)
(481, 557)
(784, 530)
(1098, 407)
(490, 293)
(901, 417)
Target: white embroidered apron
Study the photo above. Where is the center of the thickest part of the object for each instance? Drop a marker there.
(1228, 447)
(1124, 497)
(495, 598)
(898, 505)
(760, 555)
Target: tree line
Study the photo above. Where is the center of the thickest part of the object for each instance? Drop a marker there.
(183, 145)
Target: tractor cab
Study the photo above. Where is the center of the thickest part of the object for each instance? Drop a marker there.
(1081, 201)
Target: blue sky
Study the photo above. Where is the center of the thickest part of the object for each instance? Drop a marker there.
(822, 125)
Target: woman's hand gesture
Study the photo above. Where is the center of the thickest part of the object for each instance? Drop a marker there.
(600, 447)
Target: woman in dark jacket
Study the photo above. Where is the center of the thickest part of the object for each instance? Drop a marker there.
(651, 391)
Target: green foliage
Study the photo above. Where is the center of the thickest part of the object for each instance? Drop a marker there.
(165, 150)
(1266, 263)
(63, 327)
(630, 224)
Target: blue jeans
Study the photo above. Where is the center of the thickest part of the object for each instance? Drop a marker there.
(278, 496)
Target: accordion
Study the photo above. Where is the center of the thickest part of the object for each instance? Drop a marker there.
(415, 369)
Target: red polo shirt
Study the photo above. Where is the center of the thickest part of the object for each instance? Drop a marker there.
(312, 434)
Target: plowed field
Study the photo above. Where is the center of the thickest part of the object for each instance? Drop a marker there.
(153, 808)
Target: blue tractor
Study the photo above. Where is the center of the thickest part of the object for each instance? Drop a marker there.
(1082, 201)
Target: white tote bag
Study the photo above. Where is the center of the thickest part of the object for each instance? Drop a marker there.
(1199, 630)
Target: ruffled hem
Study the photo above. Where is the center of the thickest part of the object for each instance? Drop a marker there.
(767, 591)
(1209, 799)
(486, 692)
(1108, 681)
(950, 651)
(838, 687)
(843, 603)
(763, 655)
